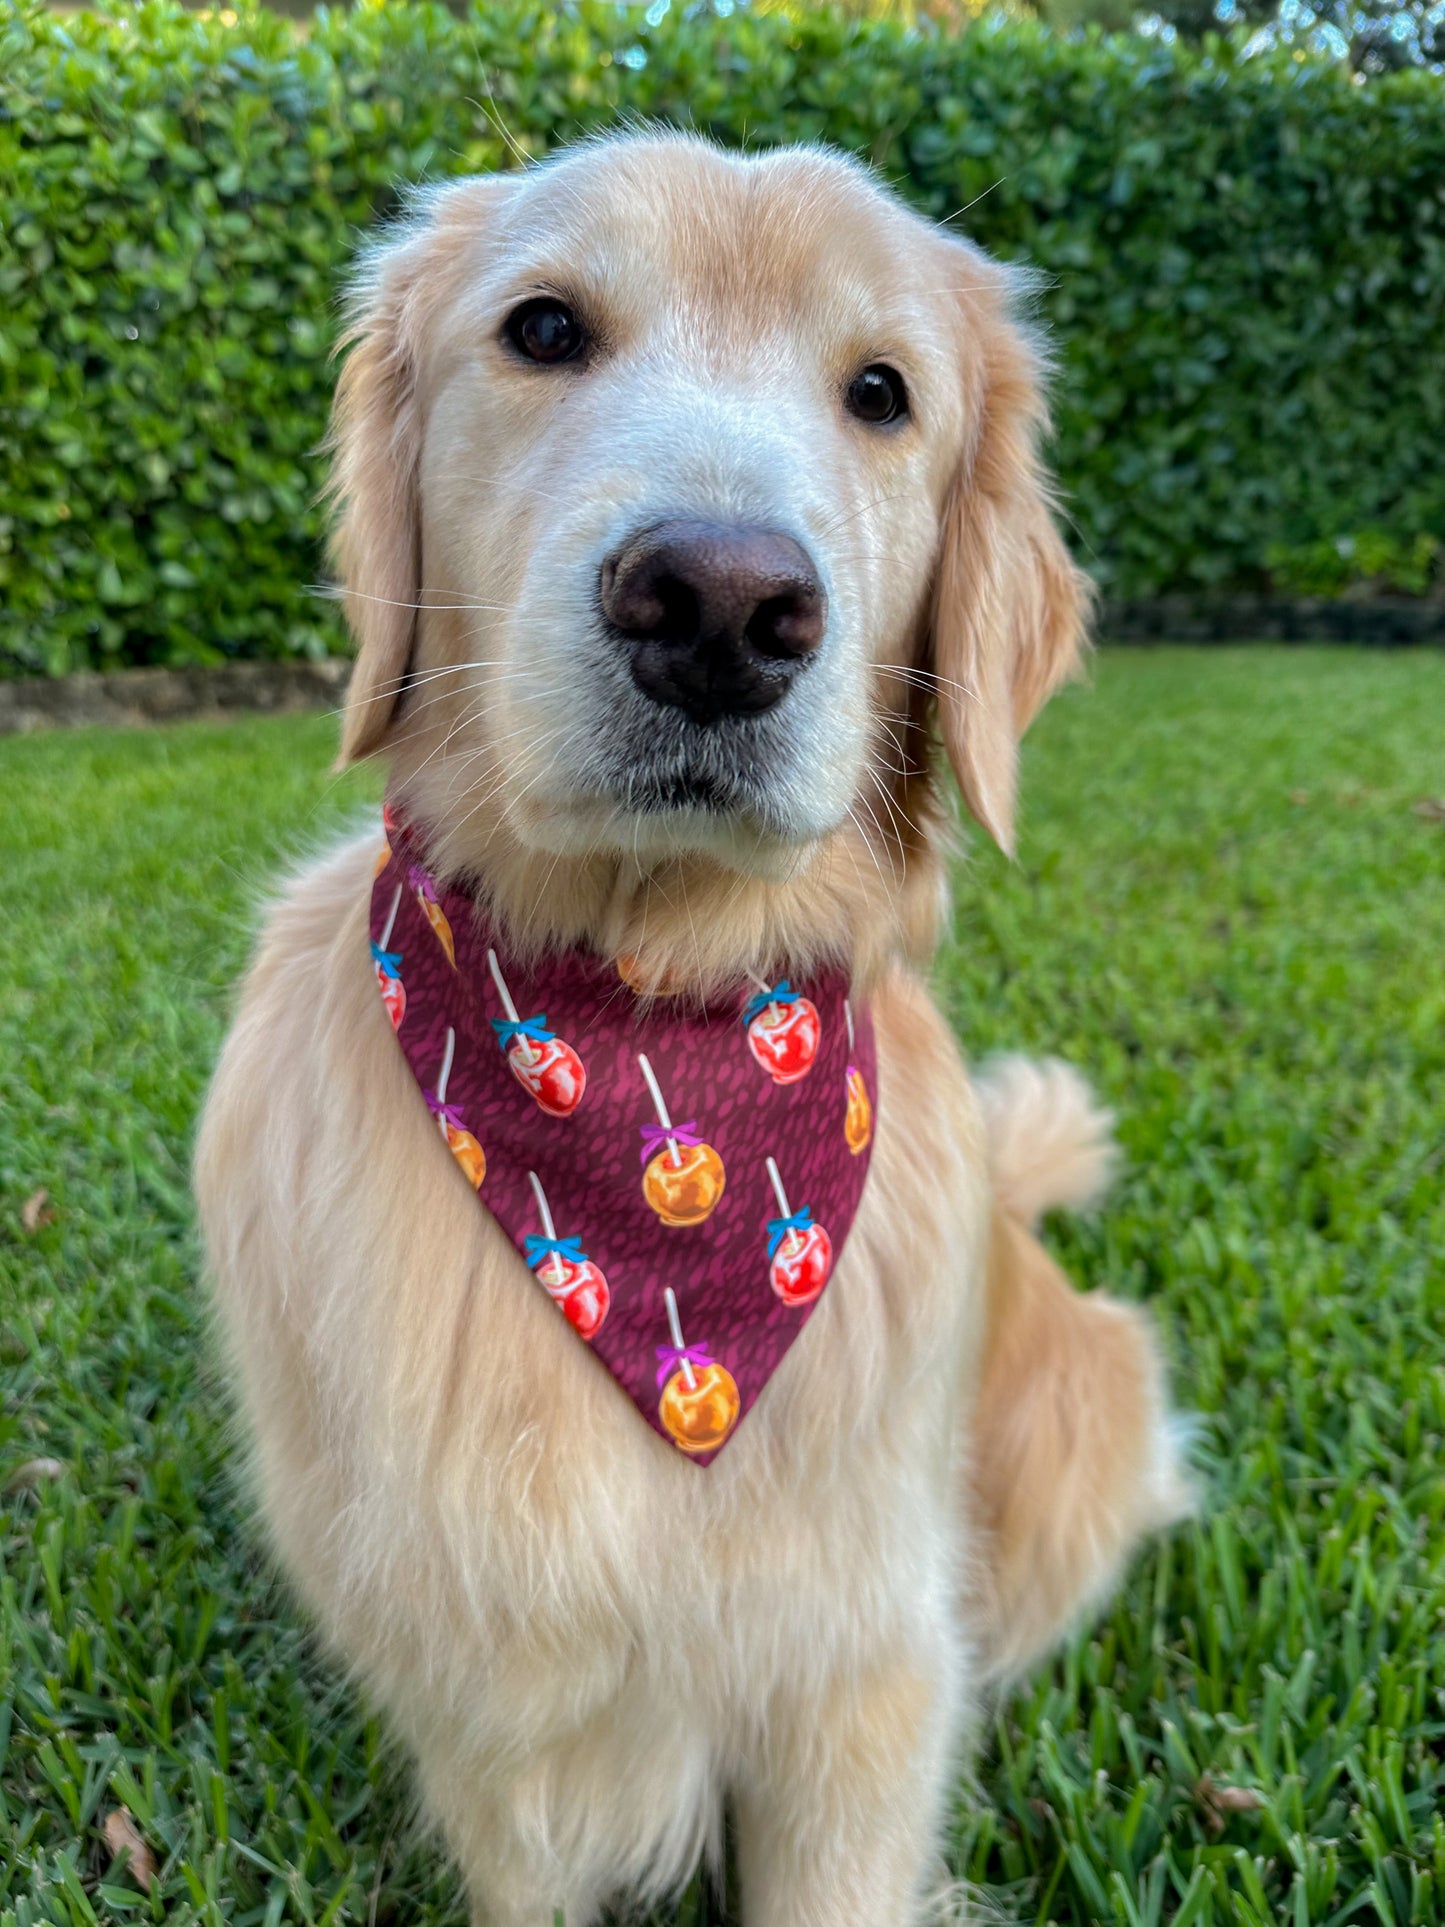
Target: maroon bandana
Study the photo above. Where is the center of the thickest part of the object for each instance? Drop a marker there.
(681, 1181)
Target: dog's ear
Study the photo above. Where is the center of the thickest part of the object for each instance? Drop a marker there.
(1009, 605)
(375, 445)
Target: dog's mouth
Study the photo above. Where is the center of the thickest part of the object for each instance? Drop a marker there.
(648, 779)
(656, 793)
(661, 764)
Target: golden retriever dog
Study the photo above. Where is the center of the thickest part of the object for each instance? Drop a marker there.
(686, 501)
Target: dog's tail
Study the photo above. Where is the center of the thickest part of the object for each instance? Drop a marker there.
(1050, 1143)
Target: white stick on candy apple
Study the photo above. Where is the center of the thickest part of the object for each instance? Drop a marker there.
(683, 1176)
(575, 1284)
(548, 1069)
(387, 964)
(800, 1252)
(699, 1404)
(459, 1140)
(426, 895)
(783, 1029)
(858, 1112)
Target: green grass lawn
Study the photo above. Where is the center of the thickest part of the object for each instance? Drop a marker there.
(1228, 910)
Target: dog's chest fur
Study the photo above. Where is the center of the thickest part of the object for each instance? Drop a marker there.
(475, 1512)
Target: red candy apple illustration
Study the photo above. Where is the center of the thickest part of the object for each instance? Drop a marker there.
(459, 1140)
(783, 1031)
(800, 1253)
(574, 1283)
(857, 1112)
(683, 1176)
(699, 1404)
(387, 965)
(426, 896)
(548, 1069)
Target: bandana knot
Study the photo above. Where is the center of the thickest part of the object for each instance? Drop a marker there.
(782, 992)
(656, 1137)
(778, 1228)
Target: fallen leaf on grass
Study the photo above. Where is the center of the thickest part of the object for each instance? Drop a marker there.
(123, 1837)
(37, 1210)
(1237, 1799)
(35, 1472)
(1431, 809)
(1218, 1801)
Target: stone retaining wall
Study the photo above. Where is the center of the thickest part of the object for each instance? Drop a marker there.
(128, 696)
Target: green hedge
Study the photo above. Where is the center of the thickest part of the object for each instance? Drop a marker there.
(1246, 265)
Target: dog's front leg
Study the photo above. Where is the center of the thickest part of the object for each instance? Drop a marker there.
(839, 1814)
(513, 1874)
(619, 1807)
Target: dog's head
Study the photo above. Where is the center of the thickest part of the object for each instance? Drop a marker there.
(676, 488)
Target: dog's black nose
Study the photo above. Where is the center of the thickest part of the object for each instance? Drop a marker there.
(719, 617)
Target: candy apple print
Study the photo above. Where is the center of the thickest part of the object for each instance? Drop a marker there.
(576, 1286)
(783, 1031)
(426, 896)
(800, 1253)
(387, 964)
(388, 825)
(548, 1069)
(459, 1140)
(858, 1112)
(699, 1403)
(638, 978)
(683, 1177)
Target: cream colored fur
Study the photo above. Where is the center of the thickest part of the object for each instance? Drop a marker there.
(1049, 1144)
(589, 1643)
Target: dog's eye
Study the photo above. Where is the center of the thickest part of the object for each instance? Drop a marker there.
(545, 330)
(877, 395)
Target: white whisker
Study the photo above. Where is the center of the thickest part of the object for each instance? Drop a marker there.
(338, 592)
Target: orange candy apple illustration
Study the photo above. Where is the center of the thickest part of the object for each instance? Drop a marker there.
(638, 978)
(783, 1031)
(575, 1285)
(800, 1252)
(387, 964)
(388, 827)
(858, 1112)
(699, 1404)
(683, 1177)
(426, 896)
(548, 1069)
(459, 1140)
